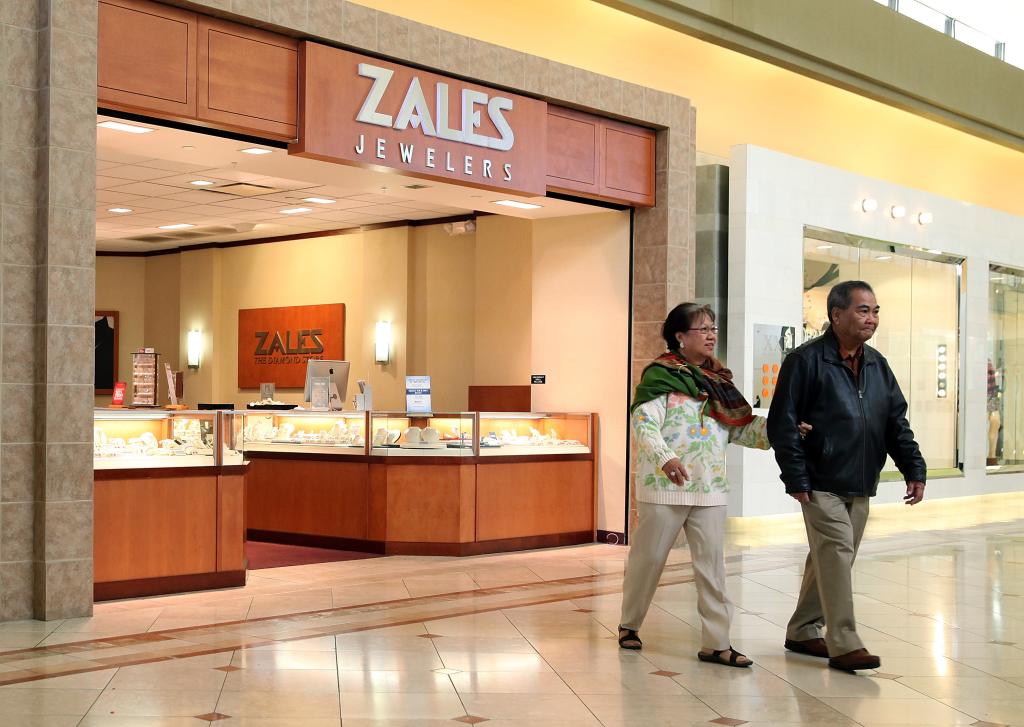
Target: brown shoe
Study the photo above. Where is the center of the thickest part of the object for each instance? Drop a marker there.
(811, 647)
(859, 659)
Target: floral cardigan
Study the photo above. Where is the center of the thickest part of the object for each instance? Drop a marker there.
(671, 426)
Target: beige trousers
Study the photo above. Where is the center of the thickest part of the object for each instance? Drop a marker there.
(656, 531)
(835, 526)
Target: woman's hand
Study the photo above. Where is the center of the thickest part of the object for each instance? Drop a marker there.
(804, 428)
(674, 470)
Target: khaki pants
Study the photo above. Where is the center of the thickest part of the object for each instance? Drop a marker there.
(656, 531)
(835, 526)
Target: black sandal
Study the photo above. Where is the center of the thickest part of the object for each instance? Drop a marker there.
(715, 657)
(630, 639)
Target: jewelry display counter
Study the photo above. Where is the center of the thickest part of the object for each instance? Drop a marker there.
(169, 489)
(458, 483)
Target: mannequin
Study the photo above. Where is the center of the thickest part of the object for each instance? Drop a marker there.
(994, 419)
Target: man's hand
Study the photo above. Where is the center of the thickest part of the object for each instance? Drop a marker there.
(802, 497)
(673, 469)
(915, 493)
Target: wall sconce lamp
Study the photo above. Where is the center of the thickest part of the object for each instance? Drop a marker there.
(869, 204)
(382, 342)
(897, 211)
(195, 348)
(924, 218)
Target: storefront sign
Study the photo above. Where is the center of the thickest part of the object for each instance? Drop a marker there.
(365, 111)
(275, 343)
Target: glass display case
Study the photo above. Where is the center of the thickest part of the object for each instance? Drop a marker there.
(134, 438)
(298, 430)
(231, 450)
(533, 433)
(405, 434)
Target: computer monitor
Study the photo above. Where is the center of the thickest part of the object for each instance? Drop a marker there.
(336, 371)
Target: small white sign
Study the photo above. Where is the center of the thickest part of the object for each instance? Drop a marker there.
(417, 394)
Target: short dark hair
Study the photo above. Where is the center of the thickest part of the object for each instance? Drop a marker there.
(681, 319)
(841, 295)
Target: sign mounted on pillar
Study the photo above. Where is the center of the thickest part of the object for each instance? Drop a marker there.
(368, 112)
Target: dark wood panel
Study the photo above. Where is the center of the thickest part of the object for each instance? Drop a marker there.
(315, 497)
(231, 523)
(317, 541)
(146, 58)
(529, 499)
(501, 398)
(425, 503)
(154, 528)
(140, 587)
(628, 154)
(248, 79)
(490, 546)
(573, 149)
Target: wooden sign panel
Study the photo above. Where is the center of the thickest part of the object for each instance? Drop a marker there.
(275, 343)
(367, 112)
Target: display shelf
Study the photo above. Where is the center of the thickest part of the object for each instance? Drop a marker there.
(408, 434)
(142, 439)
(505, 434)
(300, 431)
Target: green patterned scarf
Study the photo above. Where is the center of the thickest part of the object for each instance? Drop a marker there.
(671, 373)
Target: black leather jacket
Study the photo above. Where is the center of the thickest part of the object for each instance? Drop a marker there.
(856, 423)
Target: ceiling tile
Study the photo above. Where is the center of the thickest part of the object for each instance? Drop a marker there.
(137, 173)
(145, 189)
(173, 166)
(195, 196)
(106, 154)
(373, 197)
(249, 203)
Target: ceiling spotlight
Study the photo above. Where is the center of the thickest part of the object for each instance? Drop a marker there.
(188, 147)
(202, 182)
(924, 218)
(517, 204)
(869, 204)
(256, 150)
(179, 226)
(130, 128)
(897, 211)
(319, 200)
(296, 210)
(119, 210)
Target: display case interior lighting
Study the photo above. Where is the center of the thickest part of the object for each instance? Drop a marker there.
(382, 342)
(941, 369)
(924, 218)
(869, 204)
(897, 211)
(517, 204)
(195, 348)
(128, 128)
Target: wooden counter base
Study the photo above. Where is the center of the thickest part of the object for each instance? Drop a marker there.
(114, 590)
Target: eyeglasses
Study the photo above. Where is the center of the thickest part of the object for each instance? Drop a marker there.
(705, 330)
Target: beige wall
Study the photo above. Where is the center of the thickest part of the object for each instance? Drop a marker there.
(121, 286)
(580, 336)
(503, 291)
(200, 306)
(163, 301)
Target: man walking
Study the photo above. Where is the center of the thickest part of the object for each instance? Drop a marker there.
(847, 392)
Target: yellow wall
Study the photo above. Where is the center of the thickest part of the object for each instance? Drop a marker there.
(580, 336)
(163, 293)
(121, 286)
(741, 100)
(200, 306)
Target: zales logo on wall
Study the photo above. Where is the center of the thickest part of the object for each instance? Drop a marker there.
(274, 344)
(360, 110)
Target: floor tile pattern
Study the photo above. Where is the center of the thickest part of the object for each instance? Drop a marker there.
(530, 639)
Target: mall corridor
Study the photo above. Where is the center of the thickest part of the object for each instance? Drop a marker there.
(529, 639)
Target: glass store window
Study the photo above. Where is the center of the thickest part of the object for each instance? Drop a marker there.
(919, 292)
(1004, 409)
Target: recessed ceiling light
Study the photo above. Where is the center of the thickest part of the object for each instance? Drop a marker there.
(202, 182)
(897, 211)
(869, 204)
(256, 150)
(130, 128)
(924, 218)
(319, 200)
(296, 210)
(179, 226)
(883, 258)
(119, 210)
(517, 204)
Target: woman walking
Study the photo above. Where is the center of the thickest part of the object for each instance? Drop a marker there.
(685, 411)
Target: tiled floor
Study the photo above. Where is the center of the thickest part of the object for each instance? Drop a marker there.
(529, 639)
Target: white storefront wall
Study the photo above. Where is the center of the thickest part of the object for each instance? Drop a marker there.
(772, 196)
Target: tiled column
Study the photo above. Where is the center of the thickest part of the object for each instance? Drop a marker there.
(47, 230)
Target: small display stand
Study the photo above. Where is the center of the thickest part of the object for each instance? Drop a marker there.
(144, 378)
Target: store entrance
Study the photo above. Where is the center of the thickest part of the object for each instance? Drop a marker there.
(516, 309)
